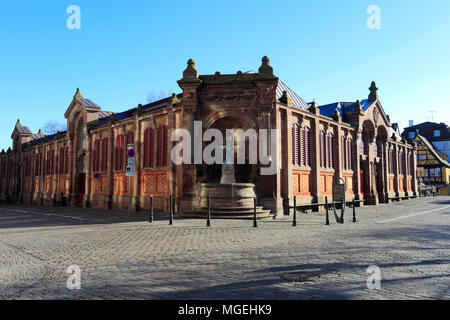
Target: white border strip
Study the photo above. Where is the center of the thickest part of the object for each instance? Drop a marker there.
(413, 215)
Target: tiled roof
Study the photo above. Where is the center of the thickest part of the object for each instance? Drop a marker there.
(328, 109)
(89, 103)
(23, 130)
(433, 151)
(297, 101)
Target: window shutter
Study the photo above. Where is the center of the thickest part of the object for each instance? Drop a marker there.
(322, 149)
(104, 154)
(295, 144)
(330, 151)
(307, 148)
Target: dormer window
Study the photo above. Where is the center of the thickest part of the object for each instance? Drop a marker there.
(437, 133)
(412, 135)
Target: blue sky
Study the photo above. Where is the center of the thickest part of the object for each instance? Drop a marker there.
(127, 49)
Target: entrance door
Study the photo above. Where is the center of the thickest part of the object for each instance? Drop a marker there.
(81, 188)
(362, 183)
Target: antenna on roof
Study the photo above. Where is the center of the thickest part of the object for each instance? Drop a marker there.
(432, 114)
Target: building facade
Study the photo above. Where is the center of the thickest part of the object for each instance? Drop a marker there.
(316, 147)
(433, 167)
(436, 133)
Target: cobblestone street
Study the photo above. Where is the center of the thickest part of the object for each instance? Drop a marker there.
(125, 257)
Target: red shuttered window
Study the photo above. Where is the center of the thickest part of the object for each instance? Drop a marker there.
(295, 145)
(66, 166)
(130, 137)
(62, 161)
(96, 156)
(50, 162)
(161, 149)
(148, 148)
(330, 149)
(119, 152)
(349, 155)
(306, 146)
(322, 149)
(104, 154)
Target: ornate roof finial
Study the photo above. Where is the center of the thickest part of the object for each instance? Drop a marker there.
(336, 116)
(78, 94)
(174, 99)
(285, 99)
(373, 96)
(265, 68)
(18, 124)
(314, 108)
(190, 72)
(40, 132)
(358, 105)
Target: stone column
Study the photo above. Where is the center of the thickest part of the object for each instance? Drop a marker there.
(88, 170)
(357, 165)
(396, 173)
(406, 169)
(414, 172)
(385, 164)
(315, 160)
(287, 159)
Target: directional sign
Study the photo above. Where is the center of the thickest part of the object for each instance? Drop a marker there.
(131, 153)
(130, 146)
(130, 162)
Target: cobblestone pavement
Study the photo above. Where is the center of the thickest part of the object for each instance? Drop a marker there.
(125, 257)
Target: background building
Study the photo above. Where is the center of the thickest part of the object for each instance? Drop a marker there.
(317, 146)
(433, 167)
(436, 133)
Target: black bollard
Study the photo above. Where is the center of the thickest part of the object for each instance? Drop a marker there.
(171, 211)
(255, 221)
(151, 209)
(343, 208)
(294, 221)
(354, 211)
(327, 218)
(208, 221)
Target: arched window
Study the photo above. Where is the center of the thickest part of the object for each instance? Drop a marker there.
(96, 156)
(148, 148)
(161, 149)
(120, 152)
(295, 144)
(349, 156)
(104, 154)
(343, 153)
(330, 151)
(322, 149)
(306, 146)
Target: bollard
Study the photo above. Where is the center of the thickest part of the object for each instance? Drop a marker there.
(208, 221)
(171, 211)
(343, 208)
(294, 221)
(354, 211)
(255, 221)
(327, 218)
(151, 209)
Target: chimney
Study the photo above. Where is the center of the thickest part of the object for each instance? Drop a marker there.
(411, 123)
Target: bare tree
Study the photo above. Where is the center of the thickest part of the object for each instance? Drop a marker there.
(152, 96)
(53, 126)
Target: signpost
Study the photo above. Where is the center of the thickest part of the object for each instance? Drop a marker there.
(131, 171)
(339, 195)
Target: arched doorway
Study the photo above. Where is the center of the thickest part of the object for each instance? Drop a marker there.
(243, 171)
(367, 164)
(80, 162)
(380, 160)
